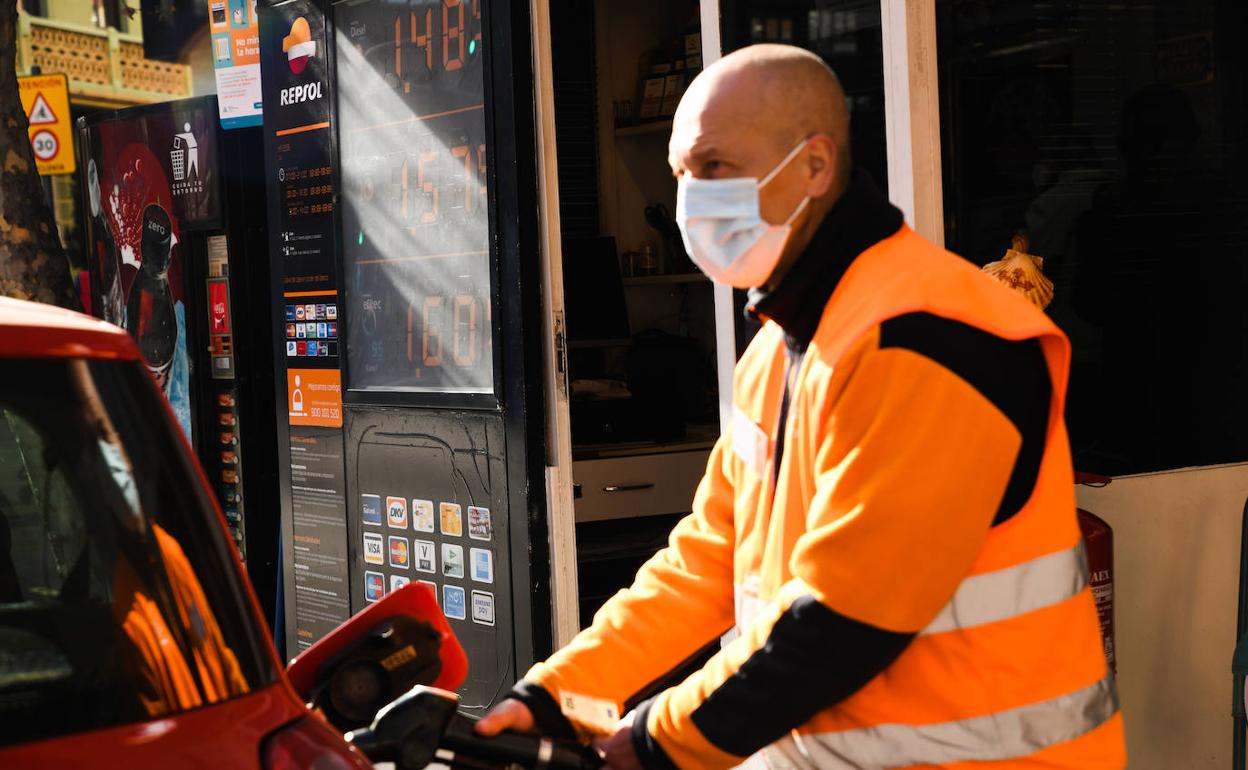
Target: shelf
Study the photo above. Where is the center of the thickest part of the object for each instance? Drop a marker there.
(652, 280)
(656, 127)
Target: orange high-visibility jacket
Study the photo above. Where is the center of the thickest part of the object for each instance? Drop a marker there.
(881, 544)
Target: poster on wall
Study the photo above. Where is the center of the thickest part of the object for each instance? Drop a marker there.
(236, 61)
(149, 179)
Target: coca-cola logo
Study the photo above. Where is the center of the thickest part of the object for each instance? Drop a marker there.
(157, 228)
(219, 308)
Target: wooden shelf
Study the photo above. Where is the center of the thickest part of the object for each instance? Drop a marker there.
(656, 127)
(654, 280)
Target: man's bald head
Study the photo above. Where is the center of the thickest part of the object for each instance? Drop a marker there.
(777, 93)
(774, 113)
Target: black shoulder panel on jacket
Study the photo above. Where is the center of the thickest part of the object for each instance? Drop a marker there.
(1011, 374)
(813, 658)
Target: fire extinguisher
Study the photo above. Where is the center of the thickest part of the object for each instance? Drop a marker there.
(1099, 539)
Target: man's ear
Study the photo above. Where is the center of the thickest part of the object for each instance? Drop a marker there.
(822, 156)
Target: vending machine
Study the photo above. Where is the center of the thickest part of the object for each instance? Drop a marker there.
(403, 221)
(175, 226)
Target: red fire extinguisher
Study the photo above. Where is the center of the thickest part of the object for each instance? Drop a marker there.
(1099, 538)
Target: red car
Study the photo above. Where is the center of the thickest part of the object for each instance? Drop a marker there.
(129, 636)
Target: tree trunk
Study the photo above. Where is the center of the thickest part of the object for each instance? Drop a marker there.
(32, 263)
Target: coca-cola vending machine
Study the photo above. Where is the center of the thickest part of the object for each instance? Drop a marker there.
(175, 226)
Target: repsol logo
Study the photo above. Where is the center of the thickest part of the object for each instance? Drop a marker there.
(304, 93)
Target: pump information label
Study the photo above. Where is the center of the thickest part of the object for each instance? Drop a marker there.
(314, 397)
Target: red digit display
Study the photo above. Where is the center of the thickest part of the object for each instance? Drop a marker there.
(465, 321)
(452, 35)
(415, 215)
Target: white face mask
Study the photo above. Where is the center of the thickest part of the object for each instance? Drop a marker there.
(724, 231)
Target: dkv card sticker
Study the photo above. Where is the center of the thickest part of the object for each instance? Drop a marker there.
(452, 519)
(425, 559)
(479, 527)
(400, 557)
(422, 515)
(396, 512)
(452, 561)
(397, 582)
(483, 608)
(374, 549)
(370, 510)
(374, 586)
(482, 565)
(453, 602)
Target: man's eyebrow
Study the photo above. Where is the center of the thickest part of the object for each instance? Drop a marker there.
(702, 150)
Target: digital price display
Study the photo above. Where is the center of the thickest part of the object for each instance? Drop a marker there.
(411, 107)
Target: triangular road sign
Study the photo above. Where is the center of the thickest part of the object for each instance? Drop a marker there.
(40, 113)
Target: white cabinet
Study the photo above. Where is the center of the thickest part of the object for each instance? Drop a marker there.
(637, 485)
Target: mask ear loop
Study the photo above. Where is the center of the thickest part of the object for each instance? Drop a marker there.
(796, 211)
(780, 166)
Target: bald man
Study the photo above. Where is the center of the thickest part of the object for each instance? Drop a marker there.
(888, 525)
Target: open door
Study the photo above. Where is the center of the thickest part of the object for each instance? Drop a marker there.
(639, 346)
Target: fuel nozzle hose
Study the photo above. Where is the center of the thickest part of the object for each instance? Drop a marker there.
(412, 729)
(530, 751)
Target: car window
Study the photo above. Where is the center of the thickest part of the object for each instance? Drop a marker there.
(119, 601)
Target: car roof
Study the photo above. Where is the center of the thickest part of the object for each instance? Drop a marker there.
(36, 330)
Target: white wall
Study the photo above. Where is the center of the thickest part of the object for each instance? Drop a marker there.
(1176, 560)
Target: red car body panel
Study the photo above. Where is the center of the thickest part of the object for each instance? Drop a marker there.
(227, 734)
(32, 330)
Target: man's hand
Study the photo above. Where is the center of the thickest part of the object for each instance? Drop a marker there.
(511, 715)
(617, 749)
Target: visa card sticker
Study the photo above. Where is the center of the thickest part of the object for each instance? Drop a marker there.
(374, 549)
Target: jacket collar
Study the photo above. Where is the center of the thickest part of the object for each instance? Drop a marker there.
(860, 219)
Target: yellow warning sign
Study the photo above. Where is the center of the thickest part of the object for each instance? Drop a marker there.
(45, 98)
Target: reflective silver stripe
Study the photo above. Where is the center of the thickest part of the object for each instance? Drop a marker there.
(991, 738)
(1006, 593)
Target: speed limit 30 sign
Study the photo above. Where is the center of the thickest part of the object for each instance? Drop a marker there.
(45, 100)
(45, 145)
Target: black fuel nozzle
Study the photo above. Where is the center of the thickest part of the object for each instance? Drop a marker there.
(409, 730)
